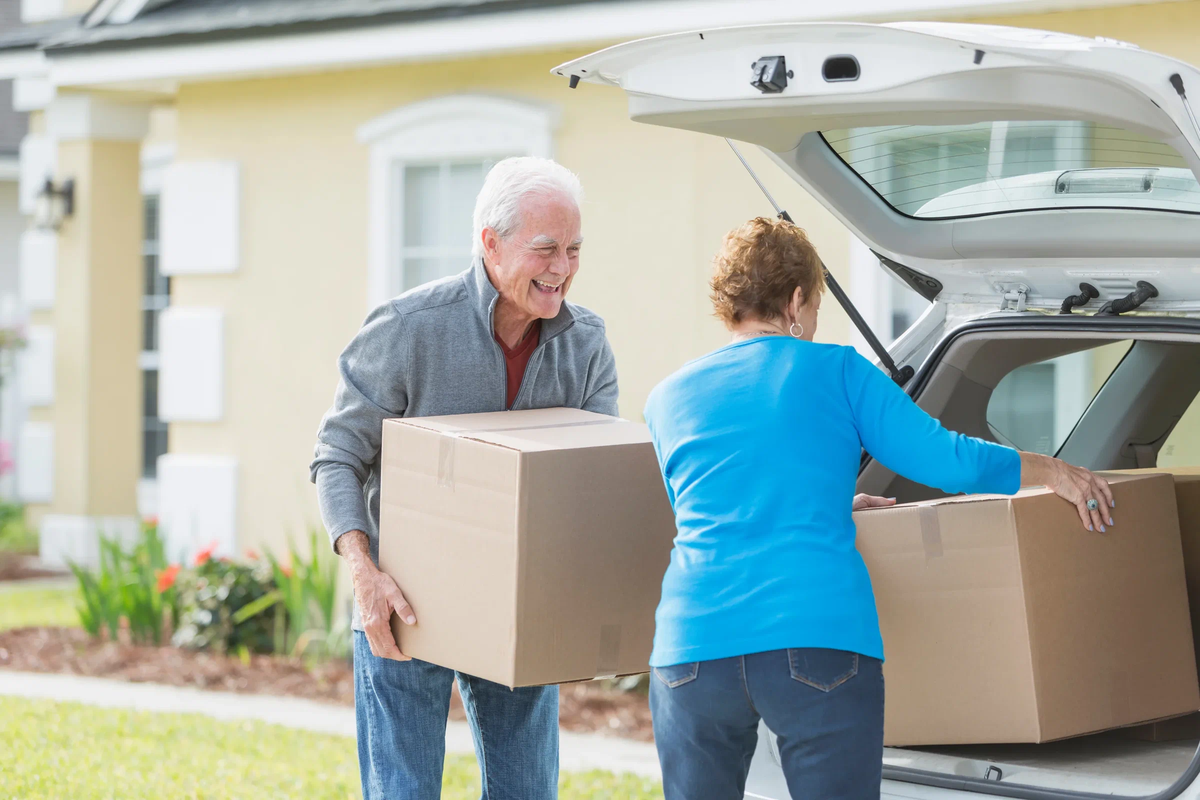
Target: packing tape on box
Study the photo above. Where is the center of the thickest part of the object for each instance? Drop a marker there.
(608, 660)
(446, 443)
(446, 460)
(931, 532)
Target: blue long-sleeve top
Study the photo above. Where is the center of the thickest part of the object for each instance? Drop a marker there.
(759, 444)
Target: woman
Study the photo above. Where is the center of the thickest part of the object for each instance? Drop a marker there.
(767, 610)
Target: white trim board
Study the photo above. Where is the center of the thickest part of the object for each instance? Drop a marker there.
(32, 93)
(37, 267)
(74, 538)
(36, 366)
(155, 160)
(157, 68)
(37, 162)
(191, 371)
(197, 503)
(199, 213)
(35, 462)
(80, 116)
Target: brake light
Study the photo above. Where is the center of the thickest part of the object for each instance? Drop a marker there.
(1105, 181)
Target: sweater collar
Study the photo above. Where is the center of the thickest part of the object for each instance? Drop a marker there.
(486, 297)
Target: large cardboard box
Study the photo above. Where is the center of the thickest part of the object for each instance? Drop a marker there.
(1167, 730)
(531, 544)
(1004, 620)
(1187, 501)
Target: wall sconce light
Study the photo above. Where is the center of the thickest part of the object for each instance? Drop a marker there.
(54, 204)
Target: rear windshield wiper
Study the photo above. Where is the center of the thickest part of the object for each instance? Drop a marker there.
(900, 375)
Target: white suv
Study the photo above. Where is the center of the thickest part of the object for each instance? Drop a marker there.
(1039, 189)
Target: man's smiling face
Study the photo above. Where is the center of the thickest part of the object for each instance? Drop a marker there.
(532, 268)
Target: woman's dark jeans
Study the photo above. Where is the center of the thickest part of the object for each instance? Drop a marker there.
(826, 707)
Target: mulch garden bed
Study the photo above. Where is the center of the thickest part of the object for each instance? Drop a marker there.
(583, 707)
(19, 567)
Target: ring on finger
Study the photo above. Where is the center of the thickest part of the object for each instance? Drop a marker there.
(1092, 504)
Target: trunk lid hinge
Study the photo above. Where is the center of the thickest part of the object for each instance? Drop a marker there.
(1014, 298)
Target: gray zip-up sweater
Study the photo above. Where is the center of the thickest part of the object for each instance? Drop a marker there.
(432, 351)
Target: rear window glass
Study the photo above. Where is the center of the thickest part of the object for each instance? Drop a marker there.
(943, 171)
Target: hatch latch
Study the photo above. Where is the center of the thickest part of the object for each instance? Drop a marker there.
(770, 74)
(1014, 298)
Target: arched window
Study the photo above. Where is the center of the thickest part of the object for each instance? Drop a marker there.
(427, 163)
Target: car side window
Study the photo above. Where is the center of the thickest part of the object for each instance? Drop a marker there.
(1182, 447)
(1035, 407)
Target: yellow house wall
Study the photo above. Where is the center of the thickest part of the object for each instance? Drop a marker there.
(658, 203)
(97, 319)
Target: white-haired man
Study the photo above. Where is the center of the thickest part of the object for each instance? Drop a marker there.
(498, 336)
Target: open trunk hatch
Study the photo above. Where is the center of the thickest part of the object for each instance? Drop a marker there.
(994, 161)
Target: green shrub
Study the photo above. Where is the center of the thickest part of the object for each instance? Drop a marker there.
(213, 599)
(308, 592)
(15, 536)
(259, 606)
(127, 588)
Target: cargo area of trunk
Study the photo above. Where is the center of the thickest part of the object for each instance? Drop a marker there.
(1108, 763)
(959, 385)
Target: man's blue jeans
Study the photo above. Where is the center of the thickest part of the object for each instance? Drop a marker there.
(401, 709)
(826, 707)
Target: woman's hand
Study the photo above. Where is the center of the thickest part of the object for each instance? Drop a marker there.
(863, 501)
(1074, 484)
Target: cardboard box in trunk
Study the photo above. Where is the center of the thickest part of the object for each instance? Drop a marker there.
(1004, 620)
(531, 544)
(1167, 730)
(1187, 501)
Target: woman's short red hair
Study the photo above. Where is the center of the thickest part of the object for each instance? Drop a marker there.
(759, 266)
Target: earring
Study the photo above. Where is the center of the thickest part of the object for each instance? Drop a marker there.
(792, 330)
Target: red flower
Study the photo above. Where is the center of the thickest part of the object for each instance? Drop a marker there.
(166, 577)
(151, 520)
(6, 461)
(252, 554)
(286, 569)
(204, 555)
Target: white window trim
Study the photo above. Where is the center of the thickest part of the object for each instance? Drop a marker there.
(155, 160)
(479, 126)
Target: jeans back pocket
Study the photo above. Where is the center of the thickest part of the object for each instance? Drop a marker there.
(822, 668)
(678, 674)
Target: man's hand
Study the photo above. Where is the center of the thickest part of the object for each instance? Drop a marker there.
(377, 596)
(863, 501)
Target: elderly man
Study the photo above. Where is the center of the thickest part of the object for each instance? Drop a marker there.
(498, 336)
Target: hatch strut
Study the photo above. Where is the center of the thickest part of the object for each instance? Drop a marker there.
(900, 375)
(1177, 85)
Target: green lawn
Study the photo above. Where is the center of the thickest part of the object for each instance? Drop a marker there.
(21, 607)
(54, 750)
